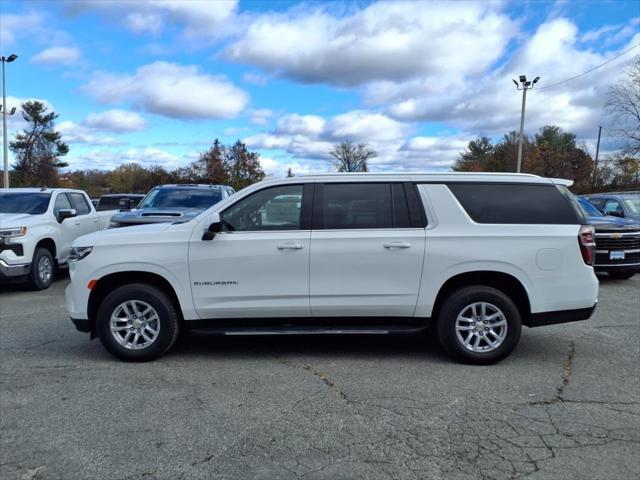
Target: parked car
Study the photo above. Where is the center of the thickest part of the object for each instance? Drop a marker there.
(476, 255)
(617, 242)
(119, 201)
(621, 204)
(37, 227)
(172, 203)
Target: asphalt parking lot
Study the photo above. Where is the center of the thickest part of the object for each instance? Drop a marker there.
(564, 405)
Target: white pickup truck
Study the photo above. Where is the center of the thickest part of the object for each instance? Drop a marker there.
(37, 227)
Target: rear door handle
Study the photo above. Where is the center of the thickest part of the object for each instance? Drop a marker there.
(396, 245)
(290, 246)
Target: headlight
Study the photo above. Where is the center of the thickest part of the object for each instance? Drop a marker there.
(13, 232)
(78, 253)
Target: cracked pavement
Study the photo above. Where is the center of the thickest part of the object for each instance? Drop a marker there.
(564, 405)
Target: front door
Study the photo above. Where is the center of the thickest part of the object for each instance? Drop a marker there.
(68, 230)
(259, 265)
(366, 251)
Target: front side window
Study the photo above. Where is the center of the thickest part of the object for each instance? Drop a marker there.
(633, 205)
(80, 203)
(277, 208)
(613, 206)
(62, 203)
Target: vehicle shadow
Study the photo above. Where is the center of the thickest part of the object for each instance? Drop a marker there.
(62, 275)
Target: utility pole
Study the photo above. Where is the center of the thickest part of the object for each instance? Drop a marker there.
(595, 166)
(5, 114)
(524, 86)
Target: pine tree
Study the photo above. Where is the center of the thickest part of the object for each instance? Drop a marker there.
(38, 147)
(245, 166)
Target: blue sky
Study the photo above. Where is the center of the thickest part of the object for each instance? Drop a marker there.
(156, 81)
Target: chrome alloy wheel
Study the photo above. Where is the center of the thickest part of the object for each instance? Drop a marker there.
(481, 327)
(135, 324)
(45, 269)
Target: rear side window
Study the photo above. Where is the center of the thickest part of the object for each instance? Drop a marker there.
(363, 205)
(515, 203)
(80, 203)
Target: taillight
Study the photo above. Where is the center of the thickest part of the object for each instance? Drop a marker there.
(587, 241)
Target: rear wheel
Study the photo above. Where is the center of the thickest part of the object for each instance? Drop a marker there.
(479, 324)
(42, 269)
(137, 322)
(622, 274)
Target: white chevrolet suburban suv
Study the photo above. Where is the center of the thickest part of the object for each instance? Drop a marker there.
(476, 255)
(37, 227)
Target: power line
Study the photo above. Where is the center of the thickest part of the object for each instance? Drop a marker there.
(590, 70)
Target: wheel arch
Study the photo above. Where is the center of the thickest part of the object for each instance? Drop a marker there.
(506, 283)
(49, 244)
(110, 282)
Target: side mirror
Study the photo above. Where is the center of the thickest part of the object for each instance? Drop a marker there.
(215, 227)
(66, 213)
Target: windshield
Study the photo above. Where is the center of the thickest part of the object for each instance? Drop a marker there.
(589, 209)
(23, 202)
(200, 198)
(633, 205)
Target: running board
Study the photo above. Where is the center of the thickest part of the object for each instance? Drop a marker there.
(309, 330)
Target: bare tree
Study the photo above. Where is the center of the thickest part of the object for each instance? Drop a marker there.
(624, 107)
(351, 157)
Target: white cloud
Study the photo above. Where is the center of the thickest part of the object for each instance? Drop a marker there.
(171, 90)
(119, 121)
(384, 41)
(109, 158)
(260, 116)
(309, 138)
(80, 134)
(255, 78)
(197, 18)
(55, 56)
(13, 26)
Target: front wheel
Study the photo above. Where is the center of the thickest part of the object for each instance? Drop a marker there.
(479, 324)
(137, 322)
(42, 269)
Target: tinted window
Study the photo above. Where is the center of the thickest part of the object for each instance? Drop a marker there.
(80, 203)
(277, 208)
(31, 203)
(62, 203)
(633, 205)
(515, 203)
(197, 198)
(612, 206)
(596, 202)
(363, 205)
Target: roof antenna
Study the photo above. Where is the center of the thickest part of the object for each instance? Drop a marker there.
(43, 188)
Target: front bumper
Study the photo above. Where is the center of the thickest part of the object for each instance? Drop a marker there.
(9, 271)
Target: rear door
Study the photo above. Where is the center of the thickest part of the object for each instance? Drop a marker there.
(367, 249)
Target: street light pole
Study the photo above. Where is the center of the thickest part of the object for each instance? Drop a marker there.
(524, 86)
(5, 114)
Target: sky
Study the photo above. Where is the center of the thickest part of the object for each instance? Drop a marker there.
(154, 82)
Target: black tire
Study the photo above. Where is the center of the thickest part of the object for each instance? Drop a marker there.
(457, 303)
(169, 323)
(36, 280)
(622, 274)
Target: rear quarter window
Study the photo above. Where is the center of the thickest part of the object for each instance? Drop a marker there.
(515, 203)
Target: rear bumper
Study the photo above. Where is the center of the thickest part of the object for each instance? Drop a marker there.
(8, 271)
(562, 316)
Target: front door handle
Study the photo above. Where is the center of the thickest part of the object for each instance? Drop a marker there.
(77, 223)
(290, 246)
(391, 245)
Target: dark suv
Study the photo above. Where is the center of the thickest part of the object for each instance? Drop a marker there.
(617, 242)
(172, 203)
